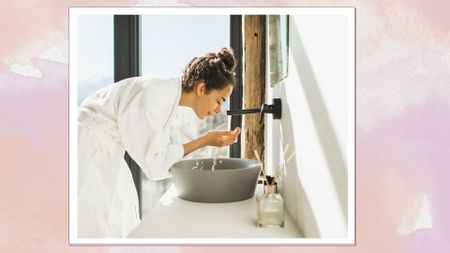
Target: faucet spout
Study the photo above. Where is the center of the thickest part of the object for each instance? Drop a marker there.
(243, 111)
(274, 109)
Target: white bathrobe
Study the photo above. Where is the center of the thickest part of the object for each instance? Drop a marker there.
(132, 115)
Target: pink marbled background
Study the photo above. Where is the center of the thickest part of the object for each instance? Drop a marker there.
(403, 117)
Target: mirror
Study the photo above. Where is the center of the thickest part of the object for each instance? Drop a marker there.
(278, 39)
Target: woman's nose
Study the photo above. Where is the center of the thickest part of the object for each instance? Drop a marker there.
(217, 110)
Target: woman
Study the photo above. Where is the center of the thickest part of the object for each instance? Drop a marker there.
(134, 115)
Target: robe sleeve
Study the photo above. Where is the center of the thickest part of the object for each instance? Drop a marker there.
(148, 144)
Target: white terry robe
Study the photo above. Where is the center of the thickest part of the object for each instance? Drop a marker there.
(132, 115)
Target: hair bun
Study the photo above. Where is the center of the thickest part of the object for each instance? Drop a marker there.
(226, 56)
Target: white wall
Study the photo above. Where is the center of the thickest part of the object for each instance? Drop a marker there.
(317, 122)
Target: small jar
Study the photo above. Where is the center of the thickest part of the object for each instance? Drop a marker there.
(269, 209)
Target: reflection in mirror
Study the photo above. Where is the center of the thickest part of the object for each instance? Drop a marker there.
(278, 31)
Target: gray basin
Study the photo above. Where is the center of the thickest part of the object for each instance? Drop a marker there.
(232, 179)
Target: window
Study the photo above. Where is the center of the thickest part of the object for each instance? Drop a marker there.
(95, 53)
(169, 42)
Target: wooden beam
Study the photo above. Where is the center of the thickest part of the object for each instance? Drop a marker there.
(254, 83)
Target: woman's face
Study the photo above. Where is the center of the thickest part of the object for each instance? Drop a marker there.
(210, 103)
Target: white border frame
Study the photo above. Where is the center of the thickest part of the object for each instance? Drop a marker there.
(74, 12)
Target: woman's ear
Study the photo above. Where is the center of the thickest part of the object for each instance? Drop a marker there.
(200, 88)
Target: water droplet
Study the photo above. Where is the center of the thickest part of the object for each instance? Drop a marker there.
(196, 165)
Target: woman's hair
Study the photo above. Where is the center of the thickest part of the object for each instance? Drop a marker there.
(216, 70)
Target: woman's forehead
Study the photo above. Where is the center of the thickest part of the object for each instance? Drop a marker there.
(226, 91)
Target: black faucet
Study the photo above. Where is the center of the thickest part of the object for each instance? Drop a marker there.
(274, 109)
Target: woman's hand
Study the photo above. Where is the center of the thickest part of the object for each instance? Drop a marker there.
(212, 138)
(221, 138)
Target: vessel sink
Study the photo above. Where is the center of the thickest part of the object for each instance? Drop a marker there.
(231, 179)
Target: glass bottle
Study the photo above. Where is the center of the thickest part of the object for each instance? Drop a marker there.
(269, 208)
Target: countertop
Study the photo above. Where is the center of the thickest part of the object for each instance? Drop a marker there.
(173, 217)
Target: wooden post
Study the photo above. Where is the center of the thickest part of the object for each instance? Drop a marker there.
(254, 83)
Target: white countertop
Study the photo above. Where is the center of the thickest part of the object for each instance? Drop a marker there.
(173, 217)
